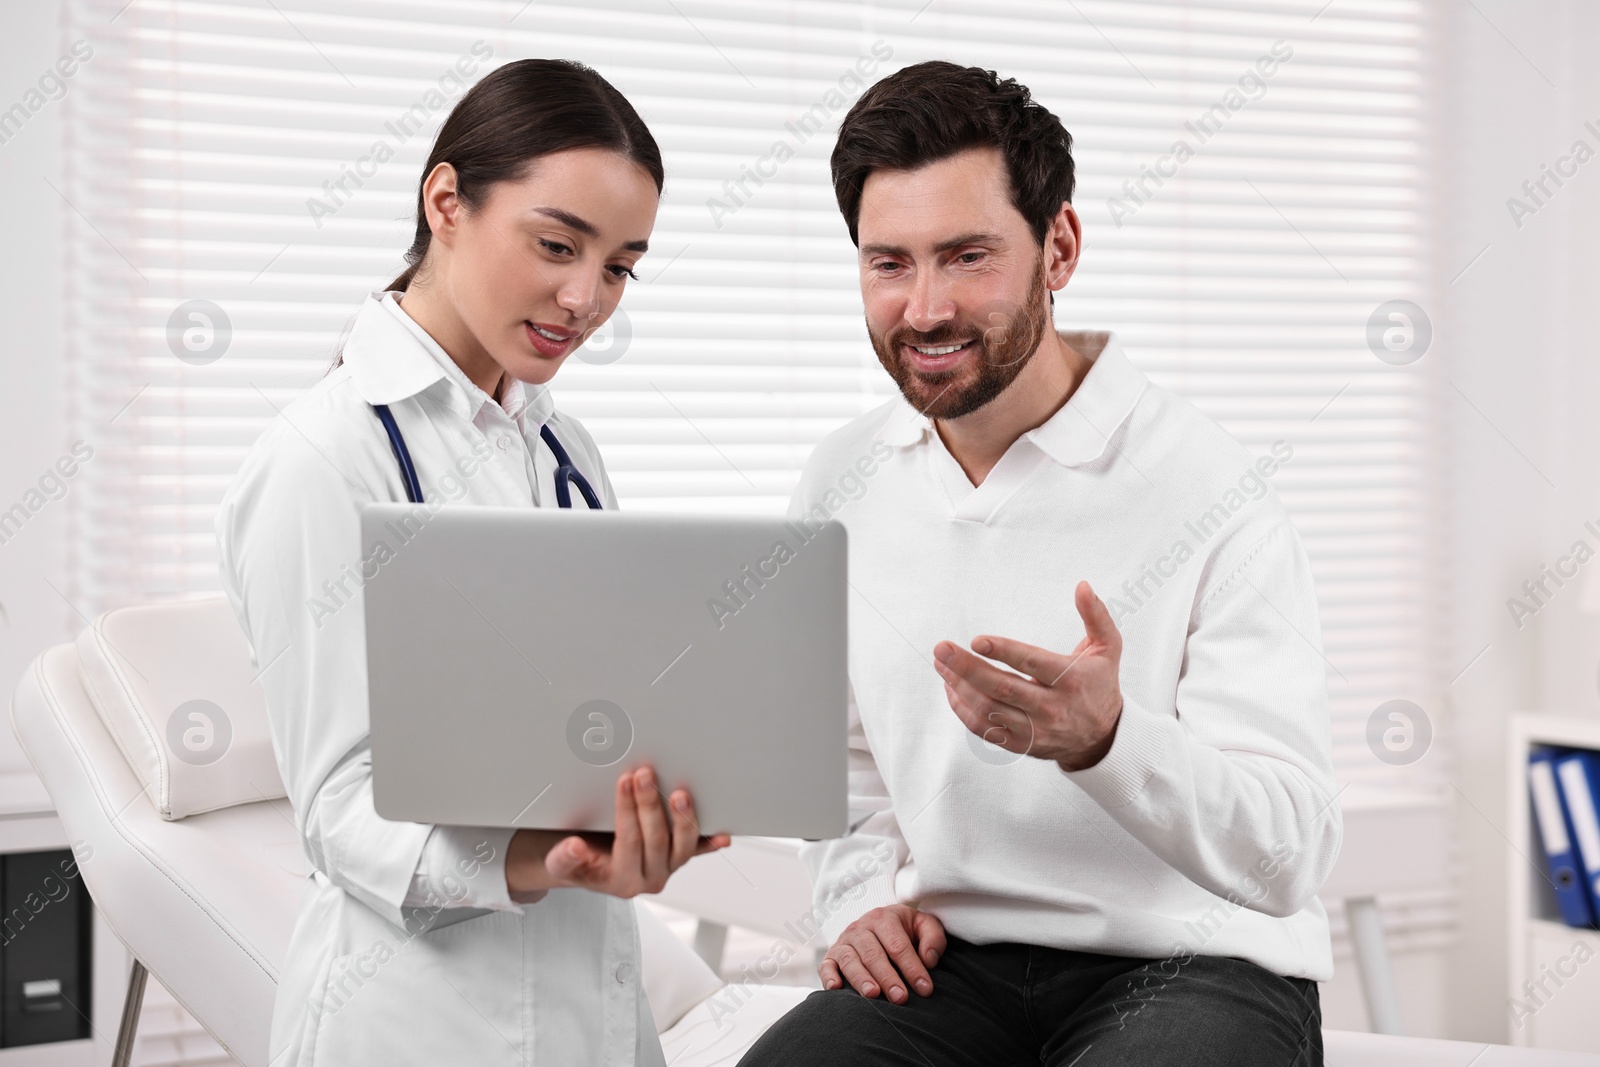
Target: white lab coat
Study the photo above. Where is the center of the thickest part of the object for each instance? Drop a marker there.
(407, 948)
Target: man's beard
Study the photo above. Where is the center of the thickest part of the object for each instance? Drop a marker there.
(1007, 336)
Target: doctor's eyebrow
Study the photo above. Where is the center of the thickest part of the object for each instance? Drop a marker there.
(585, 227)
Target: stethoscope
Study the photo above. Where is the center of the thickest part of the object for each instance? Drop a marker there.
(565, 472)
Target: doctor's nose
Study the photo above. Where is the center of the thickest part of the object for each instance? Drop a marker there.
(580, 299)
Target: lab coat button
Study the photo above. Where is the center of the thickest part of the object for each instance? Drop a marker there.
(624, 972)
(504, 442)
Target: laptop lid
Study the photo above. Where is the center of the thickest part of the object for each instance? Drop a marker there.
(519, 659)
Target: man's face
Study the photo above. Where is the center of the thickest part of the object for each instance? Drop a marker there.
(952, 279)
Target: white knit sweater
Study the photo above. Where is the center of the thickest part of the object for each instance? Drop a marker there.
(1212, 822)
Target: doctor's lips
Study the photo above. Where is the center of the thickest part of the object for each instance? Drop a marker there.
(549, 341)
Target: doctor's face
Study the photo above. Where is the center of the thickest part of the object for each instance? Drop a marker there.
(540, 265)
(952, 280)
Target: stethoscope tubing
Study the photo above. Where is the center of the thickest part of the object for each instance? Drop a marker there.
(402, 455)
(566, 474)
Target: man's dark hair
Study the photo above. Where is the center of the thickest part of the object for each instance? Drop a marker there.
(931, 111)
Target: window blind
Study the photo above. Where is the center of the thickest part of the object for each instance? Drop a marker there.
(262, 158)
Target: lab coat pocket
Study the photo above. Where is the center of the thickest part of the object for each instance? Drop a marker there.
(451, 995)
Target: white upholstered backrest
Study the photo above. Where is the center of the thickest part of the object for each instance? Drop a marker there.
(173, 684)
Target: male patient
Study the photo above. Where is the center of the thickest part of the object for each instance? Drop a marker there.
(1087, 828)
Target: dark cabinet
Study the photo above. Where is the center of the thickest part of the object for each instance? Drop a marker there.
(45, 950)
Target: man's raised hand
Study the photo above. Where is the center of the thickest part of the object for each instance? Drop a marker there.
(1059, 707)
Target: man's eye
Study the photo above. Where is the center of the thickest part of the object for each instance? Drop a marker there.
(971, 257)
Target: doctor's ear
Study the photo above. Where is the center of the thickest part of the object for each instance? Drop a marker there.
(442, 201)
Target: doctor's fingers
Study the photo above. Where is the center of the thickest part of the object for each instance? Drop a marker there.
(654, 834)
(576, 861)
(626, 845)
(711, 844)
(686, 840)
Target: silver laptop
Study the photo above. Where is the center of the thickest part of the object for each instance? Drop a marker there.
(519, 659)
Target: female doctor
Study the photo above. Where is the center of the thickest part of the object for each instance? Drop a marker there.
(434, 944)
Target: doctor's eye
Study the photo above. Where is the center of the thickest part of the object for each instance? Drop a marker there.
(619, 271)
(556, 247)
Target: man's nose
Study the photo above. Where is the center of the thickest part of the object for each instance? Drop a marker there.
(929, 305)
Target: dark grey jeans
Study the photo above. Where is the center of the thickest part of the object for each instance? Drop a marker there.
(1004, 1004)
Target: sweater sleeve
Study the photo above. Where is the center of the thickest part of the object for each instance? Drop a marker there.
(1232, 784)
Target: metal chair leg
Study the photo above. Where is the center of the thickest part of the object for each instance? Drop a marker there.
(131, 1006)
(1372, 960)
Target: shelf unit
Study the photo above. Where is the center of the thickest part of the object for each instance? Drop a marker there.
(1553, 988)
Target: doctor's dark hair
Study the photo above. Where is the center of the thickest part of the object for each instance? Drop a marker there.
(932, 111)
(517, 113)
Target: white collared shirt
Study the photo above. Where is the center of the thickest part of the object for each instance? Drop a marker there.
(514, 421)
(1212, 822)
(452, 982)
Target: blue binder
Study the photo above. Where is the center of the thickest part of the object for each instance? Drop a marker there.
(1572, 892)
(1578, 774)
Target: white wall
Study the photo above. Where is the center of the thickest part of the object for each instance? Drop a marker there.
(33, 424)
(1518, 80)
